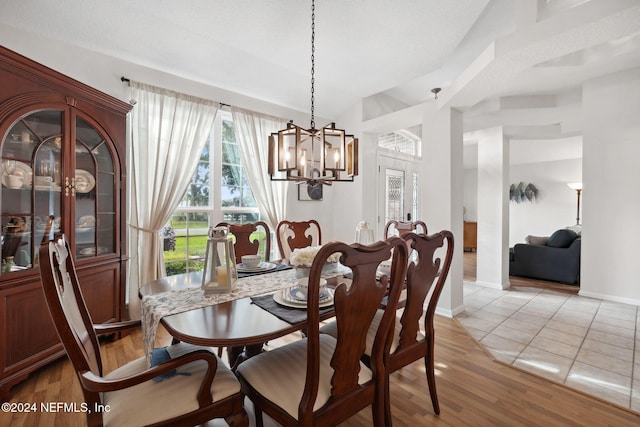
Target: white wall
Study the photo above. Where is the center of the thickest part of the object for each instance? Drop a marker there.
(555, 206)
(611, 123)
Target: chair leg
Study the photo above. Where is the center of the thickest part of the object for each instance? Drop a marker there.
(431, 380)
(258, 414)
(238, 420)
(386, 398)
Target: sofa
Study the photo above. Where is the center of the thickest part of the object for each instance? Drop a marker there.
(556, 258)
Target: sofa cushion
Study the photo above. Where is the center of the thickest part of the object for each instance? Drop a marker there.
(537, 240)
(562, 238)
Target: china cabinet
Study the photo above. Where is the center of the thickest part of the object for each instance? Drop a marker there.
(63, 170)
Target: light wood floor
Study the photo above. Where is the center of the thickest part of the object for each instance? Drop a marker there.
(473, 389)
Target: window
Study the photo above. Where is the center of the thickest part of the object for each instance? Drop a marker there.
(219, 191)
(405, 141)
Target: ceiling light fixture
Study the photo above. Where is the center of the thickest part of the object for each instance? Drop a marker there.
(436, 91)
(312, 156)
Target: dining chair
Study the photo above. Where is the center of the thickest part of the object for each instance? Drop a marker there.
(400, 228)
(409, 343)
(321, 380)
(247, 239)
(297, 234)
(191, 387)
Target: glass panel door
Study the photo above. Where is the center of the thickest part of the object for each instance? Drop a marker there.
(30, 200)
(94, 187)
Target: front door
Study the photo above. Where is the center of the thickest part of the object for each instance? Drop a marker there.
(397, 190)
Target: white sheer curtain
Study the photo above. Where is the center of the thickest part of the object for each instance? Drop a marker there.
(252, 134)
(168, 132)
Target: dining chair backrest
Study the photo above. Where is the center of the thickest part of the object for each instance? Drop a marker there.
(356, 304)
(297, 234)
(426, 275)
(248, 239)
(400, 228)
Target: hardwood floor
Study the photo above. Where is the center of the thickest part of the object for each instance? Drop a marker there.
(473, 389)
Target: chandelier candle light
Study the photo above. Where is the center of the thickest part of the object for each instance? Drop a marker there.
(312, 156)
(219, 274)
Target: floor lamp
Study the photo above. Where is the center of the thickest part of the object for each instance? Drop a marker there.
(578, 187)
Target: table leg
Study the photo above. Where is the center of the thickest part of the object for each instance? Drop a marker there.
(238, 355)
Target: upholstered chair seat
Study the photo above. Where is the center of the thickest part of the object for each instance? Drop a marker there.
(154, 401)
(266, 376)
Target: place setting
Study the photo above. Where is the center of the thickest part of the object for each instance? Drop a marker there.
(296, 296)
(252, 265)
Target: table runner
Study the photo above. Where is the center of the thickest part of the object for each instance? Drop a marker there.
(155, 307)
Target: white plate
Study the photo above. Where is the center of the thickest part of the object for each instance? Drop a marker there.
(92, 251)
(84, 176)
(283, 297)
(296, 295)
(19, 168)
(263, 266)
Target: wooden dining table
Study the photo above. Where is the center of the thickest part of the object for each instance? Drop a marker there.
(239, 325)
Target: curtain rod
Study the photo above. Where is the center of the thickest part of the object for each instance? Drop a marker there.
(126, 80)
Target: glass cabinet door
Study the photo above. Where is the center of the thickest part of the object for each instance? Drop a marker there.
(49, 186)
(94, 185)
(30, 200)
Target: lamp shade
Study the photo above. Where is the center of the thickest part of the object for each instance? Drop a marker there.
(575, 185)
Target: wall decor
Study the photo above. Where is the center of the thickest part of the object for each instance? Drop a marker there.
(523, 192)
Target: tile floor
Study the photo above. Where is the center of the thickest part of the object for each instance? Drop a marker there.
(584, 343)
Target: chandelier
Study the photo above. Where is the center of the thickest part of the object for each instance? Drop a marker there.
(312, 156)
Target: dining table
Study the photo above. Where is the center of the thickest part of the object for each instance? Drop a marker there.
(240, 320)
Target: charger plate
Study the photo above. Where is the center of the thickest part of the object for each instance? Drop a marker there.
(283, 297)
(263, 266)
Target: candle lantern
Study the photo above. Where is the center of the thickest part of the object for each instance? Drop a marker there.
(364, 234)
(220, 273)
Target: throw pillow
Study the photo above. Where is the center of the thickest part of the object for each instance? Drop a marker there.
(562, 238)
(537, 240)
(160, 355)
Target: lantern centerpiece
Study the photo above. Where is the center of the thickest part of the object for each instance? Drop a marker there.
(220, 272)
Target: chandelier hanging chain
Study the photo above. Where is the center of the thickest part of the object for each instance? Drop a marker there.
(313, 61)
(313, 156)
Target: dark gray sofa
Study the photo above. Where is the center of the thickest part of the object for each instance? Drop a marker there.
(558, 260)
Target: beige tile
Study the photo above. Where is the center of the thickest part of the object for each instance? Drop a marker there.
(543, 363)
(561, 336)
(477, 334)
(522, 326)
(573, 317)
(503, 349)
(621, 353)
(600, 382)
(618, 310)
(539, 310)
(569, 328)
(613, 339)
(506, 310)
(530, 318)
(477, 322)
(556, 347)
(615, 330)
(605, 362)
(615, 322)
(515, 334)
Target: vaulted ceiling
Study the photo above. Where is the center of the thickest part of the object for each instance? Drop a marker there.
(516, 63)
